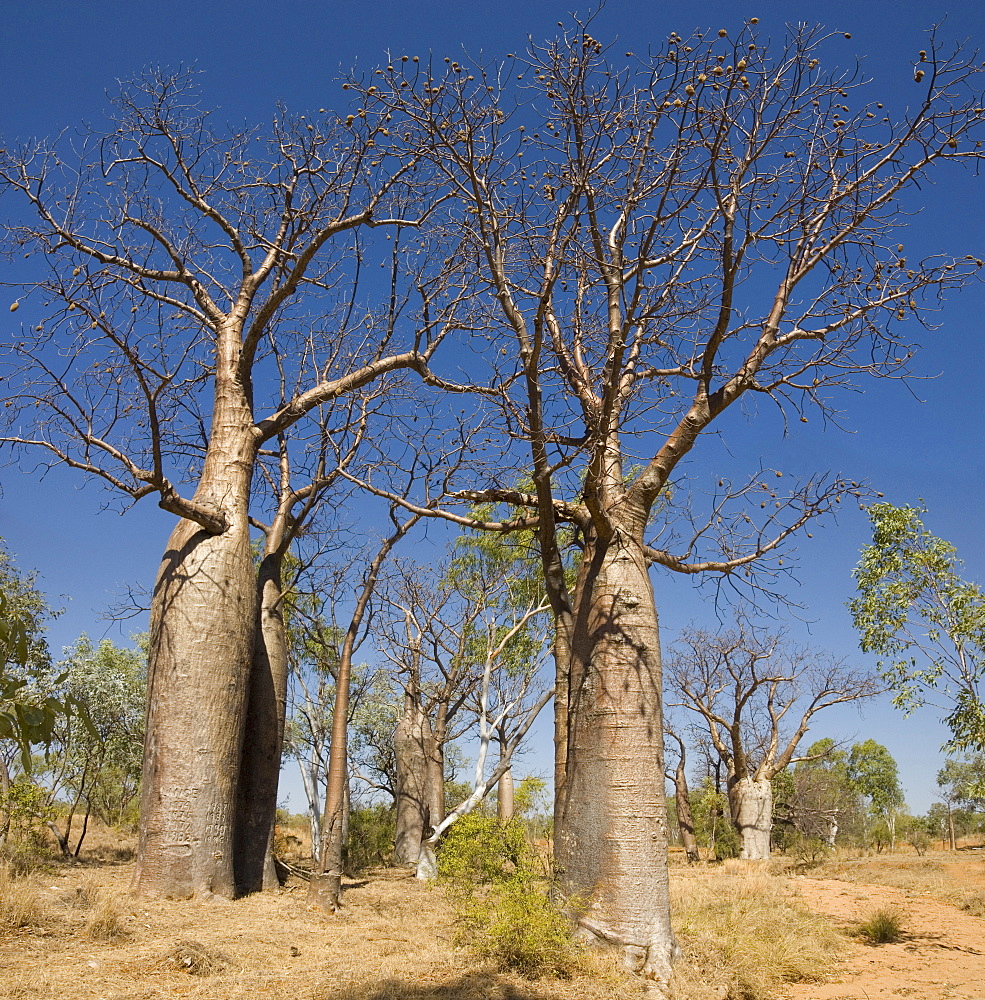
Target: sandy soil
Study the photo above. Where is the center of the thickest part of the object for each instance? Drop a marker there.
(942, 951)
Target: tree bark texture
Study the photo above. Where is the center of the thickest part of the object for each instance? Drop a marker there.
(420, 799)
(203, 619)
(266, 709)
(505, 806)
(610, 819)
(751, 804)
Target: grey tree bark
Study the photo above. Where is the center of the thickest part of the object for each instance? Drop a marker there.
(420, 801)
(201, 648)
(751, 805)
(610, 815)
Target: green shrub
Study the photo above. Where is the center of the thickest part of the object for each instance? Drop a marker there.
(371, 834)
(807, 852)
(501, 894)
(882, 927)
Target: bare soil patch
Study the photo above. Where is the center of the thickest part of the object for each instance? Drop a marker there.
(941, 953)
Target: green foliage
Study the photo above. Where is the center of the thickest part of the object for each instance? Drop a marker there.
(873, 773)
(502, 898)
(963, 781)
(713, 828)
(372, 830)
(102, 760)
(928, 624)
(29, 707)
(882, 927)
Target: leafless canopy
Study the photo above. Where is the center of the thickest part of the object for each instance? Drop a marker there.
(755, 694)
(646, 241)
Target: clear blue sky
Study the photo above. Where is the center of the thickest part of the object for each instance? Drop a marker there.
(58, 59)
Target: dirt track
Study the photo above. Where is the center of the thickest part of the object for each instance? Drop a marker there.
(942, 952)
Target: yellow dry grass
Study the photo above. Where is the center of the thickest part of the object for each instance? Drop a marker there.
(393, 940)
(744, 937)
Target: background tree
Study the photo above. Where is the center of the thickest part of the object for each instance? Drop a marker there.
(821, 801)
(682, 800)
(29, 706)
(962, 785)
(873, 773)
(646, 245)
(94, 765)
(466, 646)
(173, 255)
(756, 698)
(928, 624)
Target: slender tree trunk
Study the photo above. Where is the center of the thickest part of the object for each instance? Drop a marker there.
(420, 782)
(203, 620)
(4, 803)
(685, 818)
(751, 804)
(610, 815)
(505, 807)
(952, 839)
(265, 715)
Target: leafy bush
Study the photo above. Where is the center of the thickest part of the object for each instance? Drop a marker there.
(807, 852)
(371, 833)
(882, 927)
(502, 898)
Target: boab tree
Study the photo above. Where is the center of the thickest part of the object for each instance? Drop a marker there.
(173, 256)
(756, 696)
(647, 243)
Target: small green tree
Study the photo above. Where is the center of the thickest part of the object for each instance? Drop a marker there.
(100, 762)
(30, 701)
(962, 785)
(927, 623)
(873, 773)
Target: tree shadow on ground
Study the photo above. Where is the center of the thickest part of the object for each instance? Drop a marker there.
(484, 984)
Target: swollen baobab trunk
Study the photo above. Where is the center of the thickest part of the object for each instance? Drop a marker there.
(201, 644)
(751, 805)
(610, 818)
(420, 782)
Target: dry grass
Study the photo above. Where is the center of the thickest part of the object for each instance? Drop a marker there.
(931, 875)
(744, 938)
(393, 940)
(883, 926)
(23, 904)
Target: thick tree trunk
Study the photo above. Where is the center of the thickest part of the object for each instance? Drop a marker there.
(751, 804)
(420, 798)
(610, 817)
(203, 620)
(256, 807)
(685, 818)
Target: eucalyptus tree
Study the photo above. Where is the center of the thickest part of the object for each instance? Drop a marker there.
(174, 264)
(649, 241)
(926, 622)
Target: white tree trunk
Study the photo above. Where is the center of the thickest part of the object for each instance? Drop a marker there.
(751, 802)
